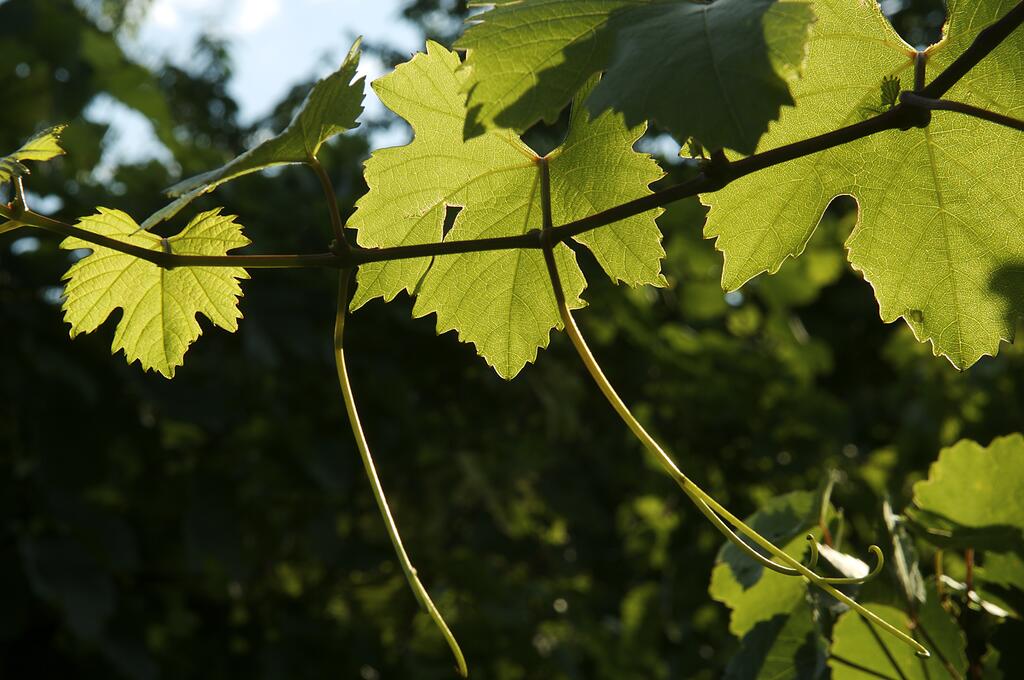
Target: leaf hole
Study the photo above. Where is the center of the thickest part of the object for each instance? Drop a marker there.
(451, 213)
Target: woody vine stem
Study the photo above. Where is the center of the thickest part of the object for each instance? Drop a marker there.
(913, 110)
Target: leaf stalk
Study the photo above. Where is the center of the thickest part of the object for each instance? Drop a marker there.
(337, 225)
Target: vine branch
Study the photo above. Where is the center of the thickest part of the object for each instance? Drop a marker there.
(987, 40)
(715, 177)
(913, 110)
(960, 107)
(164, 259)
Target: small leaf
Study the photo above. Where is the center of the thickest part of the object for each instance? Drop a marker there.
(332, 107)
(501, 301)
(160, 306)
(41, 147)
(904, 556)
(844, 564)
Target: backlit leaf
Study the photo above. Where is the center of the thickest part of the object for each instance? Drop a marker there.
(501, 301)
(860, 652)
(939, 236)
(975, 486)
(42, 146)
(160, 306)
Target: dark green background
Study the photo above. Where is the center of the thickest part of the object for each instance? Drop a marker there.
(219, 526)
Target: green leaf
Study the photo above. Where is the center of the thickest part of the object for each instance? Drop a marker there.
(860, 652)
(786, 647)
(939, 235)
(977, 487)
(1004, 570)
(949, 535)
(42, 146)
(717, 72)
(160, 306)
(332, 107)
(501, 301)
(753, 593)
(990, 665)
(517, 74)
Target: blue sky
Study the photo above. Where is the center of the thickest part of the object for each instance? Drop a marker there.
(274, 44)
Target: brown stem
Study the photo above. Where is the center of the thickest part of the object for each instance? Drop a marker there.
(169, 260)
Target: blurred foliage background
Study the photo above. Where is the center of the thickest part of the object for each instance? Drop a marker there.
(219, 526)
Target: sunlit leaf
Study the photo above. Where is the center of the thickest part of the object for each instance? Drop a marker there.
(42, 146)
(160, 306)
(939, 236)
(501, 301)
(859, 651)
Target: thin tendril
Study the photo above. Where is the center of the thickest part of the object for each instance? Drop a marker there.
(691, 489)
(371, 474)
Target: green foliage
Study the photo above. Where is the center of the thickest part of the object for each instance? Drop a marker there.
(332, 107)
(977, 488)
(42, 146)
(160, 306)
(715, 71)
(858, 651)
(753, 593)
(938, 236)
(718, 72)
(784, 627)
(501, 301)
(282, 558)
(785, 647)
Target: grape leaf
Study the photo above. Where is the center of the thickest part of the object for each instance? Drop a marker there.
(160, 306)
(43, 146)
(332, 107)
(786, 647)
(715, 71)
(859, 651)
(1000, 582)
(501, 300)
(939, 234)
(975, 486)
(753, 593)
(1005, 570)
